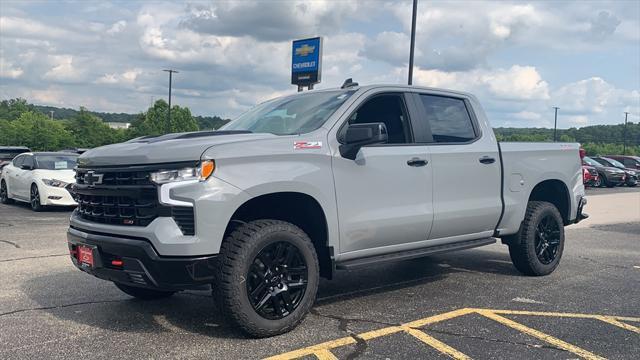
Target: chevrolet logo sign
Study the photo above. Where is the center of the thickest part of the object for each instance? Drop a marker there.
(91, 178)
(305, 50)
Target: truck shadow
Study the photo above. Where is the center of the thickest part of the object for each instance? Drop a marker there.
(76, 297)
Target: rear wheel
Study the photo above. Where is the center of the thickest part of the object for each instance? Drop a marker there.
(142, 293)
(4, 193)
(598, 182)
(269, 277)
(34, 199)
(537, 248)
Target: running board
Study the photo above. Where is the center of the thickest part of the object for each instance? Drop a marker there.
(412, 254)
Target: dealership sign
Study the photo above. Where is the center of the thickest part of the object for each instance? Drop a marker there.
(306, 61)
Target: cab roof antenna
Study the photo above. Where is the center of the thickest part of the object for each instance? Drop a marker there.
(348, 83)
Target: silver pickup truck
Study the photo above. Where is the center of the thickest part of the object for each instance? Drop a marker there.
(304, 185)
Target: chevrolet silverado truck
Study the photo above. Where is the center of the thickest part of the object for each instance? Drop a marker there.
(304, 185)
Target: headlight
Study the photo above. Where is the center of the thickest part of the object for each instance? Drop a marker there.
(202, 172)
(55, 183)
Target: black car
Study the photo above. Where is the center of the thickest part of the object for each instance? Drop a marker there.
(609, 176)
(7, 153)
(632, 174)
(629, 161)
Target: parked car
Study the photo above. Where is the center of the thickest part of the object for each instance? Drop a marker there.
(630, 162)
(39, 178)
(632, 175)
(590, 175)
(7, 153)
(608, 176)
(252, 210)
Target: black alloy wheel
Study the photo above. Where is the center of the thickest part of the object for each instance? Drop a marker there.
(547, 239)
(4, 193)
(277, 280)
(34, 199)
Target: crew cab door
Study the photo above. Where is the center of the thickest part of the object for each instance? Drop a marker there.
(384, 195)
(465, 162)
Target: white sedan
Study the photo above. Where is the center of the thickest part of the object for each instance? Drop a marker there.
(39, 178)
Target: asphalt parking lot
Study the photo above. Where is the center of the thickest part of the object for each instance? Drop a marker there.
(469, 304)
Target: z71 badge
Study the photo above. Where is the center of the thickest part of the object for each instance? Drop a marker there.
(303, 145)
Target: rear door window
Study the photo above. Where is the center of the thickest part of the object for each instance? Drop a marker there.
(448, 119)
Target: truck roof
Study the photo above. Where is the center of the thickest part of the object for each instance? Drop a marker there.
(399, 86)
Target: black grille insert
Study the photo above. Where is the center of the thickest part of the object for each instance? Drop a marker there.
(127, 198)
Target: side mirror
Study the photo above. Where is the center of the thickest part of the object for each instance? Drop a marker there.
(359, 135)
(26, 167)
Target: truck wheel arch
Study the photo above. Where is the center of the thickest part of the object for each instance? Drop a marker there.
(296, 208)
(555, 192)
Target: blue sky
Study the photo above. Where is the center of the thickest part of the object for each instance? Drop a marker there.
(520, 58)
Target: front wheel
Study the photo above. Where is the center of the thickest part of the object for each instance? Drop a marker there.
(537, 248)
(143, 293)
(34, 199)
(4, 193)
(598, 182)
(268, 278)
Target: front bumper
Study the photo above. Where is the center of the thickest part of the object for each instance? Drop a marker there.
(141, 264)
(50, 195)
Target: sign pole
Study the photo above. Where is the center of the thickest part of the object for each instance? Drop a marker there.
(413, 41)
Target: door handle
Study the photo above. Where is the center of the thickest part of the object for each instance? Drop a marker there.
(415, 162)
(487, 160)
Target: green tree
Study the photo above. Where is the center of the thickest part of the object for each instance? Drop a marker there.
(89, 130)
(154, 122)
(38, 132)
(12, 109)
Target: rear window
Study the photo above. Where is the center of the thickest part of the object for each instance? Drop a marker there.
(9, 154)
(448, 118)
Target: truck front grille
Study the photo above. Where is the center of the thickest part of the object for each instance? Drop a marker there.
(125, 197)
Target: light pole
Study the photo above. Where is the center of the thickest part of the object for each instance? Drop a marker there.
(555, 125)
(624, 144)
(170, 71)
(413, 40)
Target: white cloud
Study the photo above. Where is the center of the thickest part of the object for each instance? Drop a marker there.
(63, 69)
(117, 27)
(9, 70)
(515, 83)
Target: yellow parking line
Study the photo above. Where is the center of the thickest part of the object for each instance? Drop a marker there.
(613, 321)
(540, 335)
(324, 347)
(436, 344)
(558, 314)
(325, 355)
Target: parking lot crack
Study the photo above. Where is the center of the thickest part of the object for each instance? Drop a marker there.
(343, 325)
(32, 257)
(61, 306)
(11, 243)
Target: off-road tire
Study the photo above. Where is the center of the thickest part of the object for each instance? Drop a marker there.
(143, 293)
(522, 245)
(237, 253)
(4, 193)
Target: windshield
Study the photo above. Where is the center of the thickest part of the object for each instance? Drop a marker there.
(291, 115)
(591, 162)
(615, 163)
(56, 162)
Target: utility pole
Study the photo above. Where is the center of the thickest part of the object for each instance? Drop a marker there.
(555, 125)
(170, 71)
(624, 144)
(51, 112)
(413, 40)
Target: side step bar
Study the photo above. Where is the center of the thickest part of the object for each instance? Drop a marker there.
(412, 254)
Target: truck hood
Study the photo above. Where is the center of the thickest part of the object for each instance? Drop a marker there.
(164, 149)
